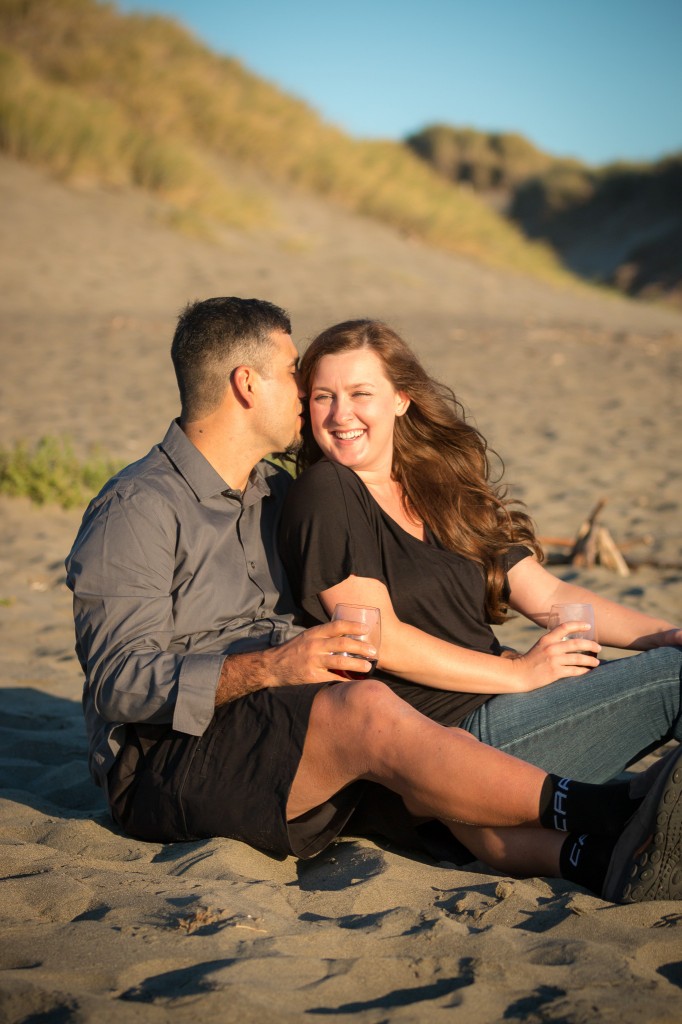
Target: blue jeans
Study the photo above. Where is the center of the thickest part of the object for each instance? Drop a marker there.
(592, 726)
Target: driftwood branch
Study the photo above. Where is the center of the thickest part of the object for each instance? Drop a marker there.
(594, 545)
(568, 542)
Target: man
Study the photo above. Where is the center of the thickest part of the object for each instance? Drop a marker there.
(211, 712)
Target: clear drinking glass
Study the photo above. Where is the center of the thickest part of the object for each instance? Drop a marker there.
(369, 631)
(560, 613)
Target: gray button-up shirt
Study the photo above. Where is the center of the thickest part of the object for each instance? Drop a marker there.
(171, 571)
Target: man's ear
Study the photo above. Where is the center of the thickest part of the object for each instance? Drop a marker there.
(243, 379)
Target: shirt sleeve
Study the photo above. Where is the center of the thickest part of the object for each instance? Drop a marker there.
(511, 558)
(516, 554)
(329, 531)
(121, 571)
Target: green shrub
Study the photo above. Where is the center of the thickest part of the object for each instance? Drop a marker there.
(486, 160)
(50, 472)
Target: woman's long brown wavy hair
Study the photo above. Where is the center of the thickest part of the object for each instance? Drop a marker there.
(440, 460)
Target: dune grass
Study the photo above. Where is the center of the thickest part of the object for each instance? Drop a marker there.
(486, 160)
(91, 138)
(136, 99)
(50, 472)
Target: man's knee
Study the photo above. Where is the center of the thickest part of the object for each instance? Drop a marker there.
(360, 702)
(362, 718)
(344, 740)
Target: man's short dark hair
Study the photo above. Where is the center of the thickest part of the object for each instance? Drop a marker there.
(215, 336)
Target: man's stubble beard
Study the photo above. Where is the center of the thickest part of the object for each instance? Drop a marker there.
(294, 447)
(291, 449)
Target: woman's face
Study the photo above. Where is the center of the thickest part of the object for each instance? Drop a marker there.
(353, 407)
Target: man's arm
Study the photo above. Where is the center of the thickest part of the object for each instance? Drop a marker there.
(122, 573)
(313, 656)
(121, 570)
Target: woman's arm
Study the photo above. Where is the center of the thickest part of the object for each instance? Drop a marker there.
(534, 590)
(412, 654)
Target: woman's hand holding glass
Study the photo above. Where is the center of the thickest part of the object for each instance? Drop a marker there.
(568, 648)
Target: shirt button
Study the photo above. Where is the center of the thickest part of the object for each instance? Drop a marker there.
(252, 564)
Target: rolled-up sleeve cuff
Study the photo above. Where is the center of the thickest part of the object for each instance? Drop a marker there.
(197, 686)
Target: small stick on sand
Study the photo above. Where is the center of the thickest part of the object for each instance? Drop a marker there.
(593, 544)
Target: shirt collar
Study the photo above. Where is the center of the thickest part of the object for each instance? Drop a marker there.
(202, 477)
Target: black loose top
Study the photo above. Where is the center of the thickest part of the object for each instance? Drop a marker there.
(333, 528)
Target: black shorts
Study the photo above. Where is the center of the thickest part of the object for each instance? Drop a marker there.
(234, 781)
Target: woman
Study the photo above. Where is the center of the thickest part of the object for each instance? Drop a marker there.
(396, 508)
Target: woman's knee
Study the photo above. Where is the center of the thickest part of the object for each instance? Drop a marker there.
(669, 659)
(661, 666)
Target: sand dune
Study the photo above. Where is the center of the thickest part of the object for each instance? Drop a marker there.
(578, 391)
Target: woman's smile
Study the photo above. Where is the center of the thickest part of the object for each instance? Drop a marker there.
(348, 435)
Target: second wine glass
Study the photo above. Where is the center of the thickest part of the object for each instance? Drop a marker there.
(560, 613)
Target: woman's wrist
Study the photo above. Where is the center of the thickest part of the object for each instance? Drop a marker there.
(671, 637)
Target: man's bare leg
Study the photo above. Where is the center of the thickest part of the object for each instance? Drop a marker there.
(523, 852)
(361, 730)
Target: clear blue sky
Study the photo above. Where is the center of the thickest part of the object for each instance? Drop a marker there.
(597, 79)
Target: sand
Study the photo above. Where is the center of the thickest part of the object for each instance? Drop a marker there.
(578, 391)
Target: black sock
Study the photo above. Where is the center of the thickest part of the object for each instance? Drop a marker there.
(585, 859)
(570, 806)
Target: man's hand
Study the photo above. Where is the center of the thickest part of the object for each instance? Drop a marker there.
(314, 656)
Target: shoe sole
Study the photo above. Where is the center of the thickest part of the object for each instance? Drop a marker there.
(656, 874)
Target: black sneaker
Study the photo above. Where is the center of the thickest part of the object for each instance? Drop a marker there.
(646, 863)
